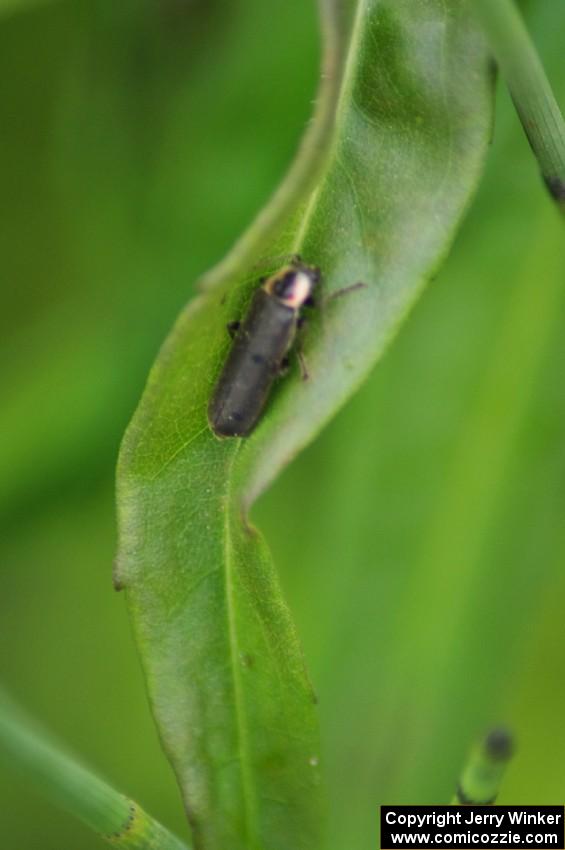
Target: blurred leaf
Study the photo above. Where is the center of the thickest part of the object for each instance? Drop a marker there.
(81, 172)
(224, 669)
(9, 6)
(115, 817)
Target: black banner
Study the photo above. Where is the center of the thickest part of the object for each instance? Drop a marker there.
(472, 827)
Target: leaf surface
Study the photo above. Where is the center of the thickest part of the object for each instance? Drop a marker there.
(394, 170)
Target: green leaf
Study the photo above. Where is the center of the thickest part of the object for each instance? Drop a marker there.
(375, 196)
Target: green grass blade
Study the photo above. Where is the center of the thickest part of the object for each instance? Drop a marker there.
(66, 783)
(236, 713)
(483, 774)
(531, 91)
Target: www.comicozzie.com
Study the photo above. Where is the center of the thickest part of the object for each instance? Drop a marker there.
(472, 826)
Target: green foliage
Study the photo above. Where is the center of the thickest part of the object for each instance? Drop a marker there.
(420, 538)
(479, 783)
(225, 673)
(531, 91)
(117, 819)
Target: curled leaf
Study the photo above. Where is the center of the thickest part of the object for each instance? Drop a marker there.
(393, 170)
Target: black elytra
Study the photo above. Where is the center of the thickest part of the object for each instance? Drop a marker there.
(259, 350)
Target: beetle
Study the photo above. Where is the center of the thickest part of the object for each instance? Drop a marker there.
(261, 344)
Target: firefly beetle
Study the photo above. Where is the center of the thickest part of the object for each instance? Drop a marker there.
(259, 352)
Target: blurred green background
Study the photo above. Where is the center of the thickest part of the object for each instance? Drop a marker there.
(421, 540)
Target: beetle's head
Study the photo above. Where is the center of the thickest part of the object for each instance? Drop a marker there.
(293, 285)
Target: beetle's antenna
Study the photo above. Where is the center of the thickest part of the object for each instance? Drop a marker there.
(345, 290)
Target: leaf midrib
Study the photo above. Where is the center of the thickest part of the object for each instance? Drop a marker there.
(247, 784)
(345, 88)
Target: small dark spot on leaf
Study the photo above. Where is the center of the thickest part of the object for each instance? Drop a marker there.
(116, 580)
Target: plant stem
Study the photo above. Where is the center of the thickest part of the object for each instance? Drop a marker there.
(530, 89)
(481, 779)
(69, 785)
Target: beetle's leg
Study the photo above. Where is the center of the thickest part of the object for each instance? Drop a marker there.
(302, 363)
(285, 365)
(300, 323)
(345, 290)
(233, 328)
